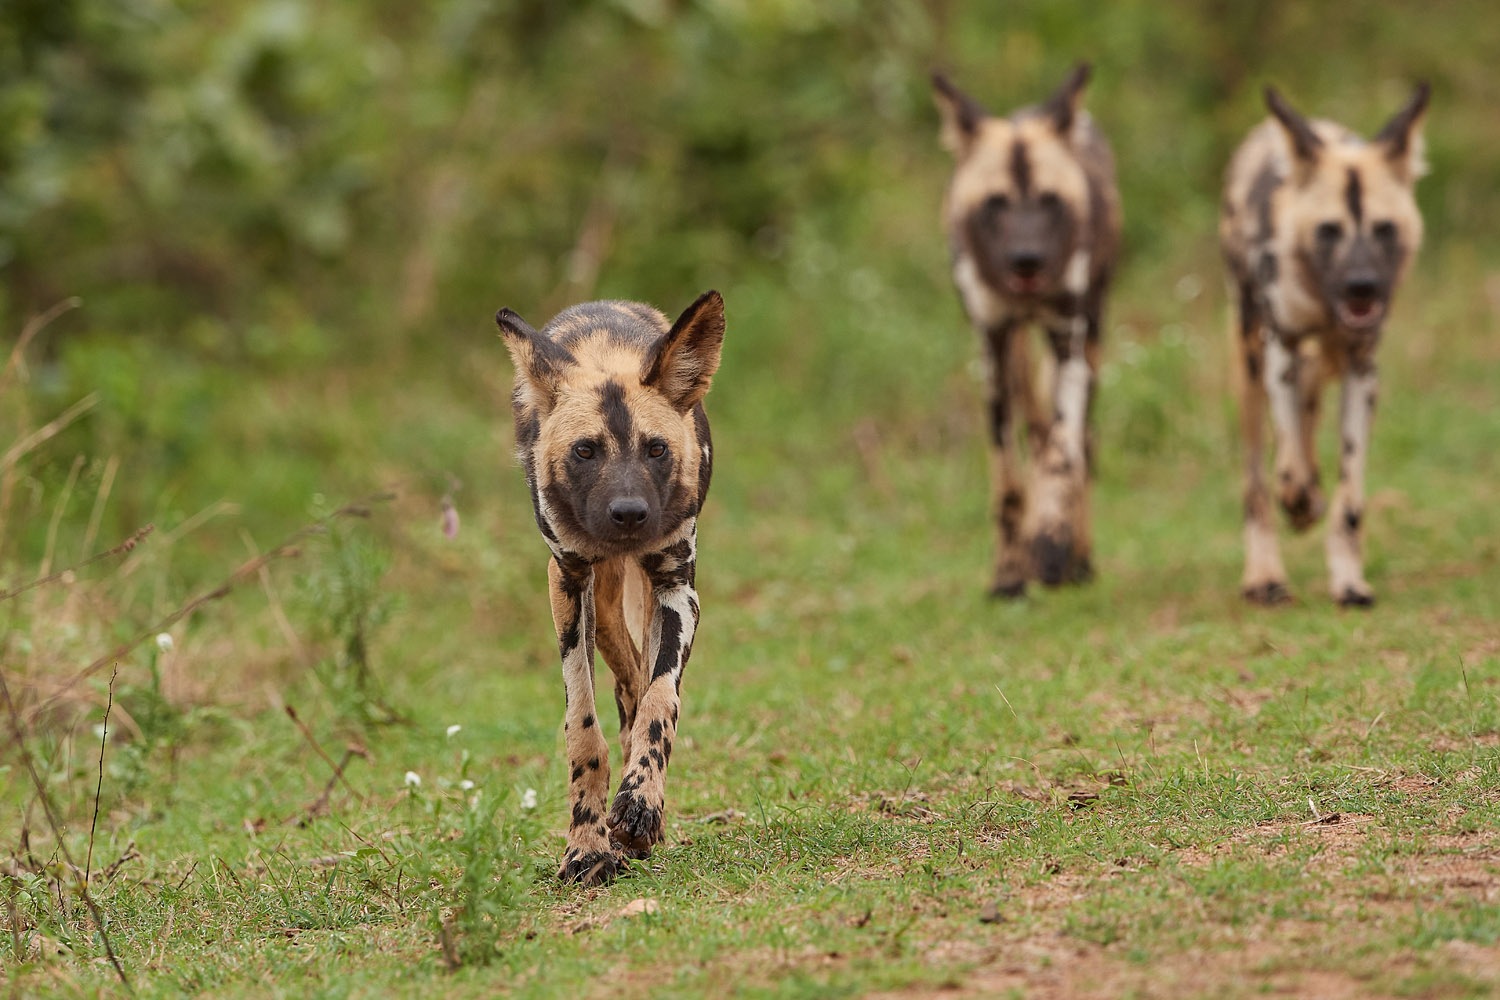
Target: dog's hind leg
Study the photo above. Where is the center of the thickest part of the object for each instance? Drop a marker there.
(588, 857)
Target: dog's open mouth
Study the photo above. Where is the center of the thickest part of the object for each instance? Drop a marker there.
(1024, 284)
(1360, 314)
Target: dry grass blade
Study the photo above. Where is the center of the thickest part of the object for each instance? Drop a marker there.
(246, 570)
(50, 811)
(123, 547)
(33, 327)
(338, 769)
(41, 435)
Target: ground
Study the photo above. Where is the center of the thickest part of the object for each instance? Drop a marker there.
(886, 783)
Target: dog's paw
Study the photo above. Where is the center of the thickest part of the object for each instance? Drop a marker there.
(635, 824)
(1052, 554)
(1268, 593)
(589, 867)
(1356, 596)
(1304, 505)
(1008, 588)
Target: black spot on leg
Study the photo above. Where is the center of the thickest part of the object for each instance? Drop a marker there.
(666, 749)
(1011, 509)
(654, 732)
(645, 761)
(1352, 517)
(584, 816)
(671, 636)
(593, 763)
(1348, 446)
(577, 771)
(588, 722)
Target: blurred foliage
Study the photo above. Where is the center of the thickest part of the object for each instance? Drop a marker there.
(258, 200)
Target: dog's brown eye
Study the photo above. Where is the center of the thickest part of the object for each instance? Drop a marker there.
(583, 450)
(1384, 230)
(1329, 232)
(657, 449)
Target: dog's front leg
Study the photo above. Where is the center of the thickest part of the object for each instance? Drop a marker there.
(1346, 571)
(1060, 542)
(635, 820)
(1296, 471)
(1006, 484)
(588, 857)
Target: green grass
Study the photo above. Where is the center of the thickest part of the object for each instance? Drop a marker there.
(1126, 771)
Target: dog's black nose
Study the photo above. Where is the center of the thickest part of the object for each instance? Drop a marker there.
(628, 512)
(1026, 263)
(1361, 288)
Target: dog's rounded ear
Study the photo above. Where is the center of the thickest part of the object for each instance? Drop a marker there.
(1299, 131)
(538, 359)
(1402, 138)
(960, 113)
(1062, 107)
(682, 363)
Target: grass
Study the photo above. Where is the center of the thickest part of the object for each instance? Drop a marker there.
(885, 783)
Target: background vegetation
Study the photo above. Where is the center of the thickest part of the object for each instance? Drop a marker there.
(288, 225)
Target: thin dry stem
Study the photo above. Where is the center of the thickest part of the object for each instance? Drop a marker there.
(88, 862)
(338, 769)
(49, 810)
(123, 547)
(34, 326)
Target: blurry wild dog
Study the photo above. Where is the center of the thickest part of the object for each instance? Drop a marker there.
(1033, 222)
(1318, 227)
(611, 433)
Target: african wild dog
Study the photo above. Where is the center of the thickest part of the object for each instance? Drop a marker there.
(1318, 227)
(1033, 222)
(611, 433)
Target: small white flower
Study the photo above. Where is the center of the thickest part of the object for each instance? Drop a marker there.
(413, 779)
(453, 730)
(528, 799)
(466, 784)
(164, 641)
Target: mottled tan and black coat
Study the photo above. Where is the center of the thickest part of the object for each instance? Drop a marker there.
(1318, 227)
(614, 441)
(1033, 222)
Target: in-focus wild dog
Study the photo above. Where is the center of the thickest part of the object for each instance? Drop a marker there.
(1318, 227)
(1033, 222)
(611, 433)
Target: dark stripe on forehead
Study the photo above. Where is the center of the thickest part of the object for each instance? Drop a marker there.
(616, 413)
(1020, 168)
(1353, 195)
